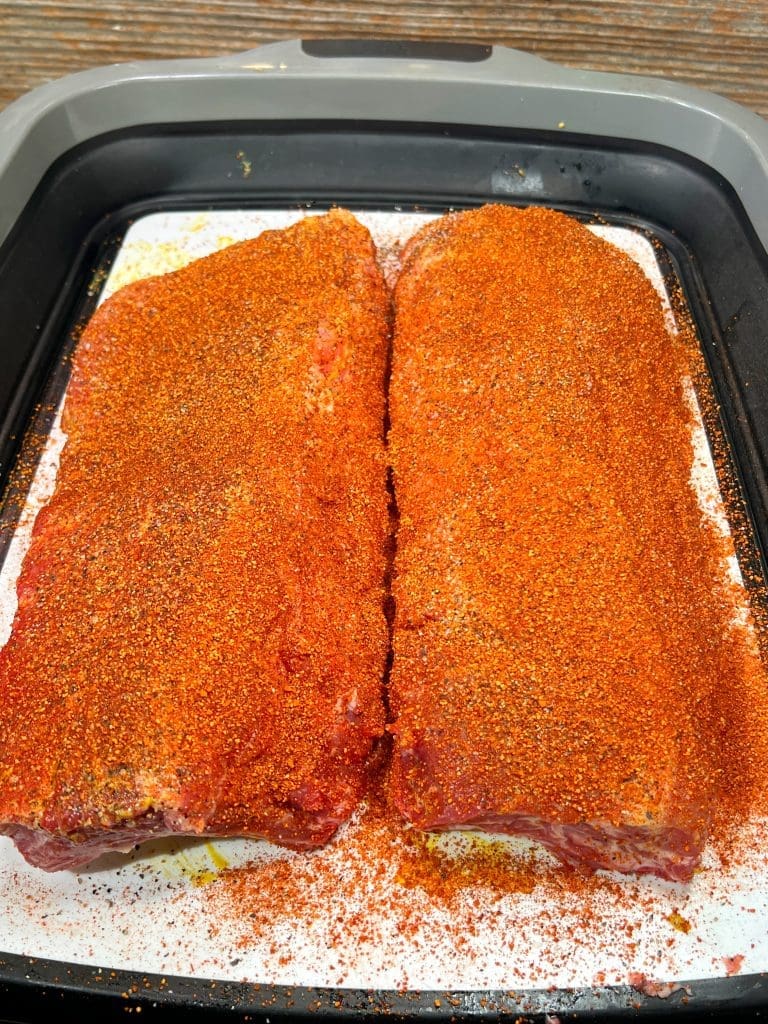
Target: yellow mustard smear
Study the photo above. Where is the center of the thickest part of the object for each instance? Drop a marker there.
(200, 865)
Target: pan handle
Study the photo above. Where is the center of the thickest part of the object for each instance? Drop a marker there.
(494, 87)
(393, 56)
(406, 49)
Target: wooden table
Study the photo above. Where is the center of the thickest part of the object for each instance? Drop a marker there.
(722, 46)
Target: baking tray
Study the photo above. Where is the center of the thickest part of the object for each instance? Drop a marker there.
(382, 128)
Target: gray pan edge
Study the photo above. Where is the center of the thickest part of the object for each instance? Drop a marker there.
(279, 81)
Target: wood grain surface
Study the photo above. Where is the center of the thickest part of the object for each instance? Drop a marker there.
(722, 47)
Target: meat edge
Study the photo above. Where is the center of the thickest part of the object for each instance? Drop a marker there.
(52, 851)
(668, 852)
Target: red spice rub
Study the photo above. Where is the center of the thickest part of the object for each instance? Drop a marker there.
(565, 664)
(200, 638)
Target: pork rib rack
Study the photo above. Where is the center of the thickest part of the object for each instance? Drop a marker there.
(199, 641)
(563, 623)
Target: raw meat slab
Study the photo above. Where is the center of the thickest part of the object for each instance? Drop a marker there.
(564, 642)
(199, 641)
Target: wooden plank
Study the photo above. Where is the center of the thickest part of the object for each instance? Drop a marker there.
(722, 47)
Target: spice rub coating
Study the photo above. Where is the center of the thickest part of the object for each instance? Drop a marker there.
(200, 640)
(564, 643)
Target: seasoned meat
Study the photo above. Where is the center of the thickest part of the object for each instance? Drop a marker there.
(200, 640)
(563, 623)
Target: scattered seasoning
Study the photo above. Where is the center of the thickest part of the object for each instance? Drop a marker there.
(733, 964)
(655, 989)
(377, 904)
(97, 281)
(678, 922)
(245, 163)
